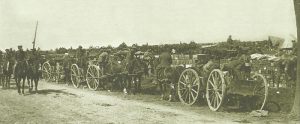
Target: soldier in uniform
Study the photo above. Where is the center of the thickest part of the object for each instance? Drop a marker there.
(67, 66)
(34, 67)
(21, 64)
(20, 55)
(81, 56)
(165, 61)
(240, 68)
(8, 67)
(130, 65)
(103, 60)
(148, 58)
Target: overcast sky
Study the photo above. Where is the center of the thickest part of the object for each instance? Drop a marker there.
(102, 22)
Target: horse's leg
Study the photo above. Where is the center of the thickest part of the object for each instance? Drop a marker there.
(1, 80)
(17, 79)
(29, 83)
(8, 81)
(23, 85)
(36, 81)
(4, 80)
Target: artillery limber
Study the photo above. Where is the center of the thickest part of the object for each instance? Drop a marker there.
(220, 86)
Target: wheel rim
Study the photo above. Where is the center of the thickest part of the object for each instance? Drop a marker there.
(92, 77)
(188, 86)
(46, 73)
(215, 89)
(75, 75)
(260, 91)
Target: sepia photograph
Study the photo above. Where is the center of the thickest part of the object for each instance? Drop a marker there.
(149, 61)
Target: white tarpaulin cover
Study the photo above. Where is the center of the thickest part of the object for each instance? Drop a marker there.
(264, 56)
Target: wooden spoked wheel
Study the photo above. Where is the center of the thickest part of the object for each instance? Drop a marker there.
(260, 91)
(215, 89)
(75, 75)
(92, 77)
(46, 71)
(188, 86)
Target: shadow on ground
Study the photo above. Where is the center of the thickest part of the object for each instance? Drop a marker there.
(52, 91)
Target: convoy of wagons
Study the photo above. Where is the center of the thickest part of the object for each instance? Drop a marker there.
(219, 87)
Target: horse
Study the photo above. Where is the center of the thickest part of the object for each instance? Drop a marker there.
(33, 74)
(7, 72)
(167, 78)
(20, 74)
(135, 69)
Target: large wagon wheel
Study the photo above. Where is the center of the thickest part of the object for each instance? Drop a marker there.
(92, 77)
(188, 86)
(260, 90)
(75, 75)
(215, 89)
(46, 71)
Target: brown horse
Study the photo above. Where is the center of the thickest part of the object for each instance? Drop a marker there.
(33, 74)
(20, 74)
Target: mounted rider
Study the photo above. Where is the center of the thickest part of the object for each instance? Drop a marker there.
(20, 57)
(104, 60)
(82, 58)
(34, 56)
(130, 59)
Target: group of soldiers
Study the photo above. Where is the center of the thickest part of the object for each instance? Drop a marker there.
(9, 60)
(132, 61)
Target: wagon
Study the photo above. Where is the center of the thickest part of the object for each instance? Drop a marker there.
(111, 77)
(220, 87)
(52, 70)
(77, 74)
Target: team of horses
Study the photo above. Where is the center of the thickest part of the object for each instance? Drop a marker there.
(21, 71)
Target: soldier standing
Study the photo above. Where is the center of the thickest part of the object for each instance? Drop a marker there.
(67, 65)
(8, 67)
(148, 57)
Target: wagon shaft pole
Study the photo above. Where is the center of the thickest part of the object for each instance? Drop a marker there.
(34, 39)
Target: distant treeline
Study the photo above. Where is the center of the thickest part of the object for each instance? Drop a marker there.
(242, 47)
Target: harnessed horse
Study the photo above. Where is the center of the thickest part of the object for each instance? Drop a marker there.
(20, 74)
(33, 74)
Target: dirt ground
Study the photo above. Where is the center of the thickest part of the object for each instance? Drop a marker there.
(59, 103)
